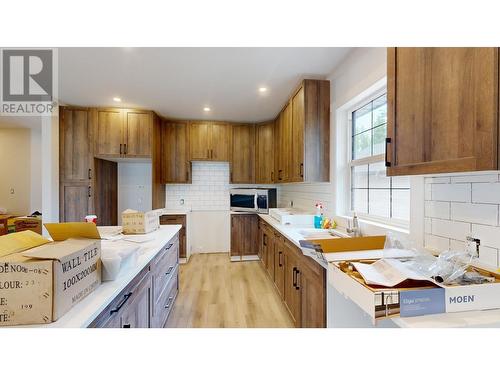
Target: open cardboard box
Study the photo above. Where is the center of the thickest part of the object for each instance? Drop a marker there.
(41, 280)
(413, 298)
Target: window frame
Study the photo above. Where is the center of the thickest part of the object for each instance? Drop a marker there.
(404, 224)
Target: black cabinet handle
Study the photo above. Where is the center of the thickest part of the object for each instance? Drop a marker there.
(169, 270)
(279, 174)
(297, 280)
(387, 162)
(294, 278)
(125, 148)
(265, 239)
(272, 176)
(121, 148)
(125, 299)
(167, 306)
(169, 246)
(126, 326)
(301, 170)
(279, 259)
(90, 174)
(90, 191)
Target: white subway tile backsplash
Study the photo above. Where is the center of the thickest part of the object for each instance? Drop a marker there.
(436, 243)
(475, 213)
(489, 235)
(488, 255)
(457, 245)
(427, 225)
(437, 180)
(475, 178)
(486, 193)
(428, 192)
(450, 229)
(440, 210)
(451, 192)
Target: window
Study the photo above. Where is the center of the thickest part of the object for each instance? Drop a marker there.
(373, 194)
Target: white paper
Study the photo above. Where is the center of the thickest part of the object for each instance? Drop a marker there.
(386, 272)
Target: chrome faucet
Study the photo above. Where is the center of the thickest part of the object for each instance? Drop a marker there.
(353, 227)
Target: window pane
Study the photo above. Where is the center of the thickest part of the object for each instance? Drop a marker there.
(380, 202)
(380, 111)
(360, 177)
(359, 200)
(362, 119)
(362, 145)
(401, 182)
(401, 204)
(379, 135)
(377, 177)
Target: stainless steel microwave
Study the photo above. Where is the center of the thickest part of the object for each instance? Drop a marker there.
(258, 200)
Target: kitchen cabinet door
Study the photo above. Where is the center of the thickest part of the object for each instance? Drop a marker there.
(285, 144)
(136, 314)
(75, 148)
(251, 224)
(138, 135)
(243, 154)
(312, 290)
(279, 267)
(75, 201)
(237, 235)
(220, 141)
(291, 291)
(442, 109)
(298, 128)
(264, 166)
(176, 168)
(199, 141)
(109, 132)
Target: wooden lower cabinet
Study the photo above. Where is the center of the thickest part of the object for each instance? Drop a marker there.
(146, 302)
(244, 236)
(299, 280)
(179, 220)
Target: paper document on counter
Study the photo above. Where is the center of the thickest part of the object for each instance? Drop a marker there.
(386, 272)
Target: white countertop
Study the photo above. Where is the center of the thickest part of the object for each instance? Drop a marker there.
(90, 307)
(176, 211)
(466, 319)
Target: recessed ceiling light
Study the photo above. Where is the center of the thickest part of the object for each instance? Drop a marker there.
(262, 89)
(117, 99)
(206, 109)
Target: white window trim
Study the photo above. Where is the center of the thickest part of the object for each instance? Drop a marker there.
(372, 93)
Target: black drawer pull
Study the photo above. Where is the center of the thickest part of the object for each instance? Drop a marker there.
(297, 284)
(126, 326)
(279, 259)
(167, 306)
(294, 278)
(169, 246)
(117, 308)
(387, 162)
(169, 270)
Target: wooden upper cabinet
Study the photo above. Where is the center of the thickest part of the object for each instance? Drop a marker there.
(220, 141)
(264, 161)
(75, 146)
(199, 143)
(108, 132)
(284, 138)
(176, 167)
(243, 154)
(298, 126)
(209, 140)
(442, 110)
(138, 133)
(123, 133)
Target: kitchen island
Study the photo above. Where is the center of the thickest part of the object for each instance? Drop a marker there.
(141, 296)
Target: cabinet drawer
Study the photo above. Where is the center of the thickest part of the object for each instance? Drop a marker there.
(163, 269)
(173, 219)
(109, 317)
(162, 309)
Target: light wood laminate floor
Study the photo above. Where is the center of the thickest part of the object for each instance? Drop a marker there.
(215, 293)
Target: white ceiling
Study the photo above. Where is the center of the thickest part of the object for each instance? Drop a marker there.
(179, 82)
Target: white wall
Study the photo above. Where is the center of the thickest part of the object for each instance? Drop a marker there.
(134, 187)
(15, 170)
(36, 170)
(50, 169)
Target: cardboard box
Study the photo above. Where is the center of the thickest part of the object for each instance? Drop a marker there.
(41, 284)
(4, 223)
(135, 222)
(33, 224)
